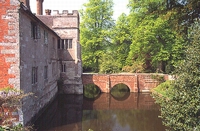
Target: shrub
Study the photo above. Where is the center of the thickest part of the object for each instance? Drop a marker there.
(180, 109)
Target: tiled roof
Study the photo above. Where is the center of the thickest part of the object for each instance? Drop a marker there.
(46, 19)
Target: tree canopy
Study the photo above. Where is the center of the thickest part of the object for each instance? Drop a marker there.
(96, 22)
(152, 38)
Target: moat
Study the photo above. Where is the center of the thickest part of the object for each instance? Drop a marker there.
(105, 112)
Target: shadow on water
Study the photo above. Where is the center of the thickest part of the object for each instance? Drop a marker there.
(104, 113)
(65, 112)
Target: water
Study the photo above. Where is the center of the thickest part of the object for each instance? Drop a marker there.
(129, 112)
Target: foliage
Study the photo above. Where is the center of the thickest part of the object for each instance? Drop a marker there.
(160, 78)
(95, 25)
(121, 40)
(18, 127)
(10, 99)
(154, 35)
(108, 64)
(11, 96)
(164, 89)
(136, 67)
(181, 111)
(154, 42)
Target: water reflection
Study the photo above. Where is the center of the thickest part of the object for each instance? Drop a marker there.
(91, 91)
(75, 113)
(115, 120)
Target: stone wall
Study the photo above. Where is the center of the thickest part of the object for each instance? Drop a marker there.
(39, 53)
(66, 25)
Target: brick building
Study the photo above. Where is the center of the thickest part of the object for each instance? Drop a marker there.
(38, 50)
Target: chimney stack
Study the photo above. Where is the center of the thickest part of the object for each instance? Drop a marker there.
(48, 12)
(39, 7)
(26, 3)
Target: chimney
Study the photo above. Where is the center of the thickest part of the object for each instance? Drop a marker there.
(39, 7)
(26, 3)
(48, 12)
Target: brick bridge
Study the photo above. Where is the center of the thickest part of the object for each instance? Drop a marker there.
(137, 82)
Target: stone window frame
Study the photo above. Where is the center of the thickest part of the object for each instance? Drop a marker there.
(69, 43)
(54, 68)
(65, 43)
(35, 30)
(63, 67)
(45, 37)
(45, 72)
(54, 42)
(34, 75)
(59, 45)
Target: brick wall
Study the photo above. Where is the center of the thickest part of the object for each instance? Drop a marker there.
(9, 44)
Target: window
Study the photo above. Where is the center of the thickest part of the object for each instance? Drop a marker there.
(62, 44)
(65, 44)
(63, 67)
(35, 31)
(54, 69)
(54, 46)
(45, 37)
(45, 72)
(34, 75)
(69, 43)
(58, 44)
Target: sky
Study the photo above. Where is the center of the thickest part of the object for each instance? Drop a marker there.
(120, 6)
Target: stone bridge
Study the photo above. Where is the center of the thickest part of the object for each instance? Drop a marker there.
(137, 82)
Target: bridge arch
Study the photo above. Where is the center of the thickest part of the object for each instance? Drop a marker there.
(100, 80)
(129, 80)
(91, 91)
(124, 83)
(120, 92)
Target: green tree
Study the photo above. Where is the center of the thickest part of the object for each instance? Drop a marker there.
(114, 59)
(95, 26)
(154, 42)
(121, 40)
(109, 64)
(182, 13)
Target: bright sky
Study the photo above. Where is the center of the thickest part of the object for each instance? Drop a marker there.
(120, 6)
